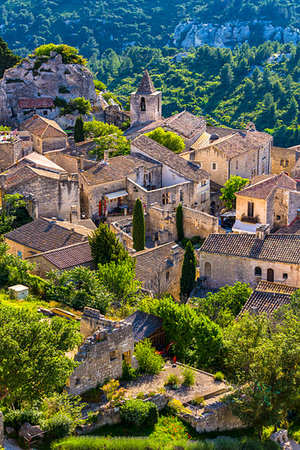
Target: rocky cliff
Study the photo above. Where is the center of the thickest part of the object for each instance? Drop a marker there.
(195, 34)
(33, 84)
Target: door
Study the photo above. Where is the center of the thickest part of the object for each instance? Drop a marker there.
(270, 275)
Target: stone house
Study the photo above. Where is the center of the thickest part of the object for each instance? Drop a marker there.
(159, 269)
(250, 258)
(47, 188)
(107, 344)
(292, 228)
(45, 134)
(273, 201)
(245, 153)
(268, 297)
(147, 326)
(283, 159)
(43, 235)
(64, 258)
(13, 146)
(295, 172)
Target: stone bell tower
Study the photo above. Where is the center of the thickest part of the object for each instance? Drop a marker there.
(145, 103)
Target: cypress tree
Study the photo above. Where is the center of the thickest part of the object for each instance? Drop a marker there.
(179, 222)
(138, 222)
(106, 248)
(78, 130)
(188, 272)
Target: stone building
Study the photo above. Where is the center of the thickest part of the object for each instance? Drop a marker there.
(293, 228)
(145, 103)
(43, 235)
(283, 159)
(159, 269)
(250, 258)
(273, 201)
(245, 153)
(295, 172)
(47, 188)
(13, 146)
(45, 134)
(107, 344)
(147, 326)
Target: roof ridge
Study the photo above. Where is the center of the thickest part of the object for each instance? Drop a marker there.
(146, 85)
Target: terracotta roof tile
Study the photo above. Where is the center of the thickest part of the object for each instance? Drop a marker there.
(42, 127)
(32, 103)
(264, 188)
(281, 248)
(163, 155)
(185, 124)
(293, 228)
(43, 235)
(68, 256)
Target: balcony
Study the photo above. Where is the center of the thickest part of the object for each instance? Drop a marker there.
(249, 219)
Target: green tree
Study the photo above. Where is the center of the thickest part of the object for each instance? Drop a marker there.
(138, 226)
(149, 360)
(33, 361)
(168, 139)
(7, 58)
(226, 75)
(115, 144)
(14, 213)
(95, 128)
(188, 272)
(70, 55)
(179, 222)
(78, 130)
(119, 279)
(105, 247)
(233, 185)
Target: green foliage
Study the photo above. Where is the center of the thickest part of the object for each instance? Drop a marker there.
(219, 376)
(95, 128)
(78, 130)
(168, 139)
(113, 392)
(119, 279)
(223, 306)
(138, 412)
(188, 273)
(16, 417)
(233, 185)
(149, 361)
(13, 214)
(179, 222)
(58, 426)
(106, 248)
(188, 376)
(38, 347)
(138, 231)
(79, 104)
(115, 143)
(172, 380)
(69, 54)
(110, 97)
(128, 372)
(7, 58)
(99, 86)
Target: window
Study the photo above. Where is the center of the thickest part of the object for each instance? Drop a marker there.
(278, 217)
(214, 166)
(45, 113)
(203, 197)
(150, 177)
(143, 104)
(203, 183)
(165, 198)
(285, 276)
(167, 276)
(181, 196)
(250, 209)
(158, 104)
(257, 272)
(236, 165)
(270, 275)
(207, 269)
(253, 157)
(113, 355)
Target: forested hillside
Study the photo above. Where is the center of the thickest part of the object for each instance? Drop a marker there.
(93, 26)
(228, 87)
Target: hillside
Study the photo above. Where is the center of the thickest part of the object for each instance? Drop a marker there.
(93, 26)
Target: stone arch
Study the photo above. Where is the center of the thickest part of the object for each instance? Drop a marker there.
(270, 275)
(143, 104)
(257, 271)
(207, 269)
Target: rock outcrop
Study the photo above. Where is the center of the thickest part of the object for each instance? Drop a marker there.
(195, 34)
(33, 84)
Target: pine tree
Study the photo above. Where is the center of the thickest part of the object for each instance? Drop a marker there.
(78, 130)
(179, 222)
(7, 58)
(106, 248)
(188, 272)
(138, 231)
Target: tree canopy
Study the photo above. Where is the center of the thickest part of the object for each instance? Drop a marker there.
(233, 185)
(168, 139)
(7, 58)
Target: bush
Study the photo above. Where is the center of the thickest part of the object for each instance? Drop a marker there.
(219, 376)
(198, 401)
(176, 407)
(149, 361)
(271, 445)
(137, 412)
(250, 444)
(188, 377)
(57, 426)
(128, 372)
(172, 380)
(226, 443)
(113, 393)
(16, 417)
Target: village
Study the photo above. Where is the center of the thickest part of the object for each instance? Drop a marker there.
(222, 215)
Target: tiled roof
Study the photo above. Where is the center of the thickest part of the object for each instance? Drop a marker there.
(143, 324)
(281, 248)
(241, 142)
(42, 127)
(165, 156)
(31, 103)
(146, 86)
(293, 228)
(151, 262)
(264, 188)
(41, 162)
(68, 256)
(17, 175)
(268, 297)
(81, 148)
(117, 167)
(220, 131)
(184, 123)
(43, 235)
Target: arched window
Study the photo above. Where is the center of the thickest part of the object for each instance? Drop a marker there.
(143, 104)
(207, 269)
(257, 271)
(270, 275)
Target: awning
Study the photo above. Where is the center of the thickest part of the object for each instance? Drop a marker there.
(117, 194)
(244, 227)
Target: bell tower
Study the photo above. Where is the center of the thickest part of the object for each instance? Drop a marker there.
(145, 103)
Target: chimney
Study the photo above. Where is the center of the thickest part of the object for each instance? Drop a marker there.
(262, 231)
(174, 254)
(81, 162)
(106, 156)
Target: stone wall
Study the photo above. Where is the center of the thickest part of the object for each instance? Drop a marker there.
(115, 116)
(282, 159)
(10, 152)
(54, 143)
(67, 162)
(153, 109)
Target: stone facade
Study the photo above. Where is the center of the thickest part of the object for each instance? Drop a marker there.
(101, 355)
(145, 103)
(283, 159)
(10, 151)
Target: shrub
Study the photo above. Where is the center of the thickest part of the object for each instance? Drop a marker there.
(198, 401)
(172, 380)
(176, 407)
(128, 372)
(250, 444)
(16, 417)
(188, 377)
(271, 445)
(137, 412)
(57, 426)
(219, 376)
(114, 395)
(99, 85)
(149, 361)
(226, 443)
(140, 396)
